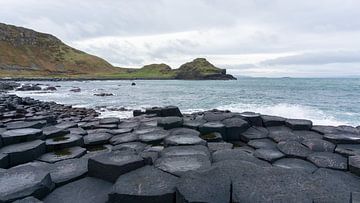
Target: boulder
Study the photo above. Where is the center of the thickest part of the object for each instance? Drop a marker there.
(170, 111)
(254, 119)
(97, 138)
(211, 127)
(354, 164)
(298, 124)
(262, 144)
(62, 154)
(66, 141)
(293, 149)
(343, 138)
(175, 140)
(348, 149)
(109, 166)
(20, 182)
(23, 152)
(123, 138)
(178, 165)
(25, 124)
(52, 131)
(81, 191)
(185, 151)
(20, 135)
(237, 154)
(146, 184)
(216, 146)
(282, 133)
(298, 164)
(318, 145)
(254, 133)
(170, 122)
(328, 160)
(269, 155)
(198, 187)
(270, 121)
(234, 127)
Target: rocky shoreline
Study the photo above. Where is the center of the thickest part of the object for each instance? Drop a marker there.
(55, 153)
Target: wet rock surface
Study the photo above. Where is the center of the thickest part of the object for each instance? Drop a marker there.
(55, 153)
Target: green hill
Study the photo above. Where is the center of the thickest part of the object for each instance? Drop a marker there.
(25, 53)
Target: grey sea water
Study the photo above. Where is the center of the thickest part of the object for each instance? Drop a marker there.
(334, 101)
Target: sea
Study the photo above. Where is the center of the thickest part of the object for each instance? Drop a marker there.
(325, 101)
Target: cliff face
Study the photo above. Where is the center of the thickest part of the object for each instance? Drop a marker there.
(25, 52)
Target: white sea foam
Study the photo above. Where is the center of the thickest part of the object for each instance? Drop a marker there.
(289, 111)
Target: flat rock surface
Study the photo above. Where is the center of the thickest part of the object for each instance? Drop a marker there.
(307, 134)
(170, 122)
(146, 184)
(20, 135)
(269, 155)
(66, 171)
(298, 164)
(136, 146)
(97, 138)
(318, 145)
(52, 131)
(62, 154)
(24, 181)
(262, 144)
(282, 133)
(237, 154)
(234, 127)
(293, 149)
(109, 166)
(154, 137)
(328, 160)
(254, 133)
(178, 165)
(174, 140)
(298, 124)
(185, 151)
(216, 146)
(123, 138)
(83, 191)
(343, 138)
(348, 149)
(270, 121)
(198, 187)
(23, 152)
(65, 141)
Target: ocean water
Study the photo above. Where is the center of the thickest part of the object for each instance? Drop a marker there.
(324, 101)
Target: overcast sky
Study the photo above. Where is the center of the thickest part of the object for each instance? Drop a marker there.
(272, 38)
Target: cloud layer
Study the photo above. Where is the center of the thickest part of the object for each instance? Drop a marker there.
(249, 37)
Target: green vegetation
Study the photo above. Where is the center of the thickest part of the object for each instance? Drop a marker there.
(26, 53)
(61, 138)
(62, 152)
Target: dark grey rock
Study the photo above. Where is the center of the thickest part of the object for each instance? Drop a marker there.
(343, 138)
(21, 182)
(212, 137)
(328, 160)
(66, 171)
(318, 145)
(52, 131)
(136, 146)
(234, 127)
(237, 154)
(4, 161)
(298, 124)
(62, 154)
(128, 124)
(25, 124)
(170, 111)
(269, 155)
(120, 131)
(354, 164)
(146, 184)
(254, 133)
(193, 124)
(95, 150)
(211, 127)
(307, 134)
(355, 196)
(216, 146)
(20, 135)
(182, 131)
(252, 118)
(293, 149)
(66, 141)
(145, 130)
(109, 120)
(348, 149)
(81, 191)
(185, 151)
(214, 116)
(23, 152)
(178, 165)
(109, 166)
(199, 187)
(28, 200)
(262, 144)
(154, 137)
(270, 121)
(78, 131)
(66, 125)
(123, 138)
(348, 129)
(293, 163)
(170, 122)
(97, 138)
(149, 156)
(175, 140)
(323, 129)
(282, 133)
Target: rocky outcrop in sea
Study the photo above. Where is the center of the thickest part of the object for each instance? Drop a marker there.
(55, 153)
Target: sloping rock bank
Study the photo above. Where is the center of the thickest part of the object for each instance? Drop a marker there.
(55, 153)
